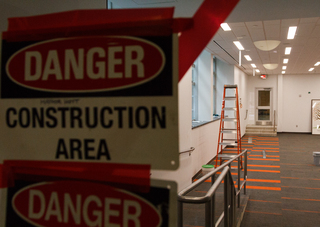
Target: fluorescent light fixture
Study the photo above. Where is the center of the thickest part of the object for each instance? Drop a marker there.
(311, 69)
(270, 66)
(287, 51)
(283, 72)
(247, 57)
(225, 27)
(253, 66)
(238, 44)
(285, 61)
(284, 67)
(257, 70)
(318, 63)
(292, 32)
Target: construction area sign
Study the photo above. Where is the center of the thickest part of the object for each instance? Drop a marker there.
(103, 98)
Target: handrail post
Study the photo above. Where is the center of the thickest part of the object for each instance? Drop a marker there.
(180, 214)
(213, 199)
(239, 175)
(208, 214)
(245, 173)
(226, 203)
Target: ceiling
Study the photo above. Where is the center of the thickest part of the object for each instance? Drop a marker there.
(305, 45)
(270, 24)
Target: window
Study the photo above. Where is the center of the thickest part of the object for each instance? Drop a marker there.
(195, 91)
(202, 89)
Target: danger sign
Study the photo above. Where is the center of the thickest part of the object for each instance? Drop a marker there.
(102, 98)
(83, 203)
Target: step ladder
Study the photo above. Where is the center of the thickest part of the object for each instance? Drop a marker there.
(229, 125)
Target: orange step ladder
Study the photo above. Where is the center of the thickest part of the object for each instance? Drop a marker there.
(229, 125)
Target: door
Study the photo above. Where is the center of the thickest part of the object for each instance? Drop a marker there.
(264, 106)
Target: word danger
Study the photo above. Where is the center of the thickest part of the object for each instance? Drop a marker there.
(74, 203)
(83, 64)
(95, 69)
(87, 117)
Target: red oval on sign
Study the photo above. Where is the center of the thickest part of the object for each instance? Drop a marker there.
(86, 64)
(75, 203)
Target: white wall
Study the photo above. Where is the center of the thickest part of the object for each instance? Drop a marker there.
(204, 139)
(241, 79)
(297, 101)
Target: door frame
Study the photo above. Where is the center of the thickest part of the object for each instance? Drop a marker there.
(263, 122)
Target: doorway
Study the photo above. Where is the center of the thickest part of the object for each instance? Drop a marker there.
(264, 106)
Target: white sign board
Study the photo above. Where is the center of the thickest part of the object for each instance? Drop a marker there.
(100, 99)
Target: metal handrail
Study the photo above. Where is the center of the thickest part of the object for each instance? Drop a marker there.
(230, 192)
(188, 151)
(246, 115)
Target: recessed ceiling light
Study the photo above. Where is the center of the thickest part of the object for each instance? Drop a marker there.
(284, 67)
(318, 63)
(238, 44)
(225, 27)
(257, 70)
(253, 66)
(287, 51)
(311, 69)
(248, 57)
(283, 72)
(292, 32)
(285, 61)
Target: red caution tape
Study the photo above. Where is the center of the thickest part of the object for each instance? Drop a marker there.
(128, 176)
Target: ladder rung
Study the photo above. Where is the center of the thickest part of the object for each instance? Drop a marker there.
(225, 150)
(229, 140)
(226, 130)
(230, 108)
(226, 143)
(230, 98)
(230, 119)
(230, 86)
(226, 156)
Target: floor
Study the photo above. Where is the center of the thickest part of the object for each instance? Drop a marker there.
(284, 187)
(289, 192)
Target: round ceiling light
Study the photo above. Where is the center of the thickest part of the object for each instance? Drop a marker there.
(270, 66)
(266, 45)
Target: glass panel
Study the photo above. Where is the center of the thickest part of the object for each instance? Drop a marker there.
(263, 115)
(264, 98)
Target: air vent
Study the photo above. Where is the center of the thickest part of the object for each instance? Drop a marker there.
(228, 53)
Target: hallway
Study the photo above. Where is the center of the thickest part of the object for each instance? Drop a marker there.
(283, 187)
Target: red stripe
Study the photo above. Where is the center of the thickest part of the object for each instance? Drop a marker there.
(137, 177)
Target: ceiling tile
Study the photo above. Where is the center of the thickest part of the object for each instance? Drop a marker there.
(289, 22)
(316, 31)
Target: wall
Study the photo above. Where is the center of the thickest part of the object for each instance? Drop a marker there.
(204, 139)
(296, 116)
(241, 79)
